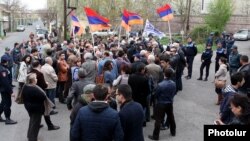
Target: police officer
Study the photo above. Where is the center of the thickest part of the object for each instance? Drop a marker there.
(6, 91)
(206, 61)
(210, 39)
(190, 52)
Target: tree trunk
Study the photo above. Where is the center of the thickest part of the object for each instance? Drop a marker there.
(188, 15)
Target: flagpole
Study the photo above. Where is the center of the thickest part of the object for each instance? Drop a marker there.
(93, 42)
(119, 37)
(170, 35)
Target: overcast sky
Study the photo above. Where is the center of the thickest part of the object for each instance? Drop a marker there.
(34, 4)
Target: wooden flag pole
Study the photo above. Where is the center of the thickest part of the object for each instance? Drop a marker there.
(93, 42)
(119, 37)
(170, 35)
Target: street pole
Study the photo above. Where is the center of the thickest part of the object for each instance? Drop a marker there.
(65, 19)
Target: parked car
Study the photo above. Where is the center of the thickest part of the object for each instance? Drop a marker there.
(20, 28)
(38, 27)
(104, 33)
(40, 33)
(242, 34)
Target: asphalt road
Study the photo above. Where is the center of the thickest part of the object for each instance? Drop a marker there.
(194, 107)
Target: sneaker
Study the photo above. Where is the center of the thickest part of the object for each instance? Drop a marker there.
(53, 128)
(199, 78)
(10, 121)
(53, 112)
(153, 138)
(2, 120)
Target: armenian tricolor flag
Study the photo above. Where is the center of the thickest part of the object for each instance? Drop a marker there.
(165, 12)
(77, 27)
(96, 21)
(129, 18)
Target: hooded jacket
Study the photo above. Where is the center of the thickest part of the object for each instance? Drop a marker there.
(97, 122)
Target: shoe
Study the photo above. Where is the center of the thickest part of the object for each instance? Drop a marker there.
(63, 101)
(53, 112)
(187, 77)
(199, 78)
(2, 120)
(152, 137)
(164, 128)
(205, 79)
(10, 121)
(13, 85)
(41, 126)
(53, 128)
(153, 117)
(173, 134)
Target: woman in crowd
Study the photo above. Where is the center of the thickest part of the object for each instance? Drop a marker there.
(221, 75)
(36, 104)
(240, 106)
(23, 71)
(108, 77)
(123, 78)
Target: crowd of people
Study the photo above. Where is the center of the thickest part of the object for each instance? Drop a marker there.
(107, 82)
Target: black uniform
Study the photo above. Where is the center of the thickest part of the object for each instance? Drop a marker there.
(190, 52)
(6, 91)
(206, 61)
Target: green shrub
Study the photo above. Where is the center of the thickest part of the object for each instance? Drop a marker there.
(200, 34)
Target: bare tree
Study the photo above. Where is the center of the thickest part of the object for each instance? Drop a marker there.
(245, 7)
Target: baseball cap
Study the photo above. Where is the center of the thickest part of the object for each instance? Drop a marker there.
(4, 59)
(88, 89)
(7, 49)
(137, 55)
(234, 47)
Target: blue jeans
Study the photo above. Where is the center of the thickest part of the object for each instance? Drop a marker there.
(14, 71)
(51, 93)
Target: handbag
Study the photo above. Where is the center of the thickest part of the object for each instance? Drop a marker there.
(99, 79)
(219, 83)
(19, 98)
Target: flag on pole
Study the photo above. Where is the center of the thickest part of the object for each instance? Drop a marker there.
(129, 18)
(165, 12)
(96, 21)
(77, 27)
(150, 29)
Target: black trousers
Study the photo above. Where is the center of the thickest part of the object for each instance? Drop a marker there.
(203, 65)
(48, 121)
(34, 126)
(160, 111)
(190, 60)
(60, 89)
(5, 105)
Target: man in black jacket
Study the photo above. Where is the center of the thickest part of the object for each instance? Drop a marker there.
(245, 70)
(132, 127)
(6, 91)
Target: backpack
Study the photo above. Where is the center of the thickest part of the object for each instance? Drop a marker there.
(75, 74)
